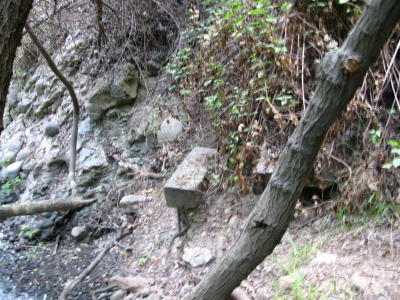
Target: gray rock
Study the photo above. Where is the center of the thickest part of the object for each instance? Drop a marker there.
(46, 215)
(233, 221)
(153, 66)
(46, 223)
(56, 94)
(14, 145)
(85, 126)
(142, 122)
(117, 91)
(13, 97)
(118, 295)
(239, 294)
(359, 282)
(128, 79)
(84, 90)
(324, 258)
(94, 111)
(89, 158)
(154, 296)
(146, 86)
(23, 175)
(51, 129)
(23, 106)
(12, 171)
(79, 232)
(32, 81)
(39, 87)
(7, 158)
(23, 154)
(197, 257)
(285, 282)
(131, 284)
(129, 203)
(169, 131)
(29, 166)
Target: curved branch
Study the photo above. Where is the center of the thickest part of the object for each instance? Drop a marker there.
(68, 85)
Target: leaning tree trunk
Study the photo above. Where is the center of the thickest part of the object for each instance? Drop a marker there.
(13, 15)
(340, 74)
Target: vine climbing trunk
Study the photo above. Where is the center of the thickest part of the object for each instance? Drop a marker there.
(340, 74)
(68, 85)
(13, 15)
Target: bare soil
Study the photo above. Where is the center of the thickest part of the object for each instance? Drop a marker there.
(366, 246)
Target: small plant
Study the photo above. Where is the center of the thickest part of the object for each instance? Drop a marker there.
(27, 233)
(375, 135)
(215, 179)
(8, 185)
(33, 253)
(395, 163)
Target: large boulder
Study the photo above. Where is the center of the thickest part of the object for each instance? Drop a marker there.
(169, 131)
(113, 91)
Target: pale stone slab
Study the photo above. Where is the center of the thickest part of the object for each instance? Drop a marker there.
(183, 188)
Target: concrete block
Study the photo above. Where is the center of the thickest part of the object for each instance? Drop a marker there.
(183, 188)
(263, 171)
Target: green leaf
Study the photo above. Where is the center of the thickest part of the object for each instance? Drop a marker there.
(396, 162)
(236, 6)
(228, 15)
(396, 151)
(393, 143)
(387, 166)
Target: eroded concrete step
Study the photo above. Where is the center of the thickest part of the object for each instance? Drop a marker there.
(183, 188)
(263, 171)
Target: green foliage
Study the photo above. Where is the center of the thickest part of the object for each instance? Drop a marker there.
(228, 72)
(375, 135)
(26, 232)
(395, 163)
(9, 184)
(296, 259)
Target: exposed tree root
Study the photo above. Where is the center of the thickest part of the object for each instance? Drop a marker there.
(70, 284)
(179, 233)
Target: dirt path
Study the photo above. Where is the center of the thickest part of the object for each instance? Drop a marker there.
(326, 259)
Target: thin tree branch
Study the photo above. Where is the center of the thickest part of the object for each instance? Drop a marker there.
(68, 85)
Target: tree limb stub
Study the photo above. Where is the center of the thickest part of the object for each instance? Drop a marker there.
(31, 208)
(338, 80)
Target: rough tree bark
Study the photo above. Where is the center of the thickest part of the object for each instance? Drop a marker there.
(13, 15)
(68, 85)
(341, 73)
